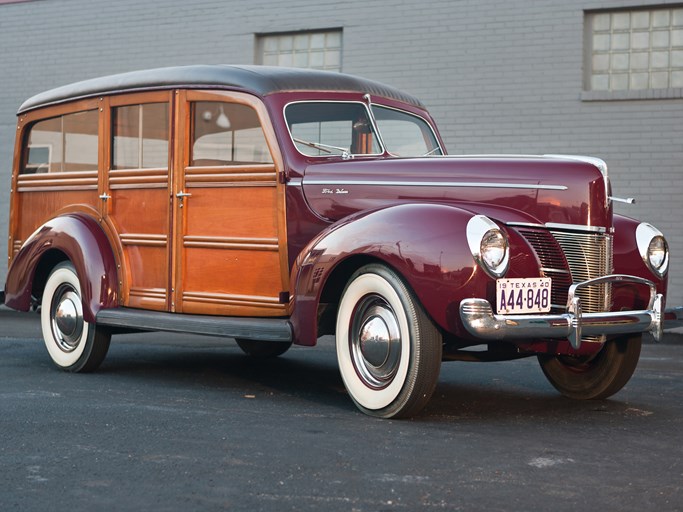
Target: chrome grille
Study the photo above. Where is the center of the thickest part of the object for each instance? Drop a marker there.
(589, 255)
(570, 257)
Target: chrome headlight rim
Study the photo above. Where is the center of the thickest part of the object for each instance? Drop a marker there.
(482, 237)
(648, 238)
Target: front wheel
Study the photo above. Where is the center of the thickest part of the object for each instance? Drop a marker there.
(596, 377)
(73, 344)
(388, 350)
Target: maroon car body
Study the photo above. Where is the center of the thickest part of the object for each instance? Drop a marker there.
(409, 257)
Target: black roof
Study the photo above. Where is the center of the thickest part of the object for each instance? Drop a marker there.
(261, 80)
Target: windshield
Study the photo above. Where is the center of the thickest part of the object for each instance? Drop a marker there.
(405, 134)
(345, 129)
(323, 129)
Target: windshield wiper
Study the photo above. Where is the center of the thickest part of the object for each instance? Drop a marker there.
(345, 154)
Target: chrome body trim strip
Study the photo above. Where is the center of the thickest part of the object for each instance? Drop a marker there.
(574, 227)
(451, 184)
(480, 321)
(555, 225)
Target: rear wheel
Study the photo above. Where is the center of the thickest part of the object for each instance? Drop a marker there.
(263, 349)
(73, 344)
(596, 377)
(389, 351)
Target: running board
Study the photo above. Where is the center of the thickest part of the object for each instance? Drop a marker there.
(261, 329)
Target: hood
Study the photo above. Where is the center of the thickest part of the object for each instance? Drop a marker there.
(538, 190)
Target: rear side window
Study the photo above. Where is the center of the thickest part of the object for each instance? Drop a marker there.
(66, 143)
(140, 134)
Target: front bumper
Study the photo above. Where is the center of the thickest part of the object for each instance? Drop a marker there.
(480, 321)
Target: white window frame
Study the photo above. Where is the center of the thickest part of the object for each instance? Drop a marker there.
(630, 46)
(313, 49)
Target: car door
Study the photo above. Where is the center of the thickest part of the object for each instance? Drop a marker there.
(136, 194)
(229, 212)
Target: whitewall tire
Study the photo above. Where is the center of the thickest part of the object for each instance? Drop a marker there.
(388, 350)
(73, 344)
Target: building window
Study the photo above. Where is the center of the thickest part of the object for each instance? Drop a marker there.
(635, 50)
(316, 50)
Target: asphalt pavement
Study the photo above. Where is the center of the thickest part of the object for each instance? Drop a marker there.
(175, 422)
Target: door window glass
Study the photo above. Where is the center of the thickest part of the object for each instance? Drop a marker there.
(405, 134)
(140, 136)
(227, 134)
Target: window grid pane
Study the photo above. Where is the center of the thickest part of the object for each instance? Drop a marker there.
(635, 50)
(316, 50)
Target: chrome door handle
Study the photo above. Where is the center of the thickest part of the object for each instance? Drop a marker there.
(104, 197)
(182, 195)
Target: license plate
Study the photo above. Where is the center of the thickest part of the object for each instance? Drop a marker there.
(526, 295)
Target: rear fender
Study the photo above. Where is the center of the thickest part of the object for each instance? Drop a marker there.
(78, 238)
(424, 243)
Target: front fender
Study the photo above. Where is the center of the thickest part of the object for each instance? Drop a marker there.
(425, 243)
(80, 239)
(627, 260)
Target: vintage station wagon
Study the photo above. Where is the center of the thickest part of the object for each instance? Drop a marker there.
(276, 205)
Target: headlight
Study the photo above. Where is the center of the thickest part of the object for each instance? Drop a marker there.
(653, 248)
(489, 245)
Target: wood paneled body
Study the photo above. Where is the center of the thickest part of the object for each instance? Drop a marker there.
(230, 243)
(141, 219)
(195, 227)
(35, 207)
(38, 195)
(230, 226)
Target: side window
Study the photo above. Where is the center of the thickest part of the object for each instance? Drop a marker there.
(66, 143)
(405, 134)
(227, 134)
(140, 136)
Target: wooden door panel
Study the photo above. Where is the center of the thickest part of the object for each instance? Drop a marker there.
(232, 281)
(231, 252)
(140, 216)
(230, 241)
(243, 212)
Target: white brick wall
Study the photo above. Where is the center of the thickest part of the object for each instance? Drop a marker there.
(498, 76)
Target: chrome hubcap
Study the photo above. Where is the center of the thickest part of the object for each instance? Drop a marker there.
(375, 341)
(67, 318)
